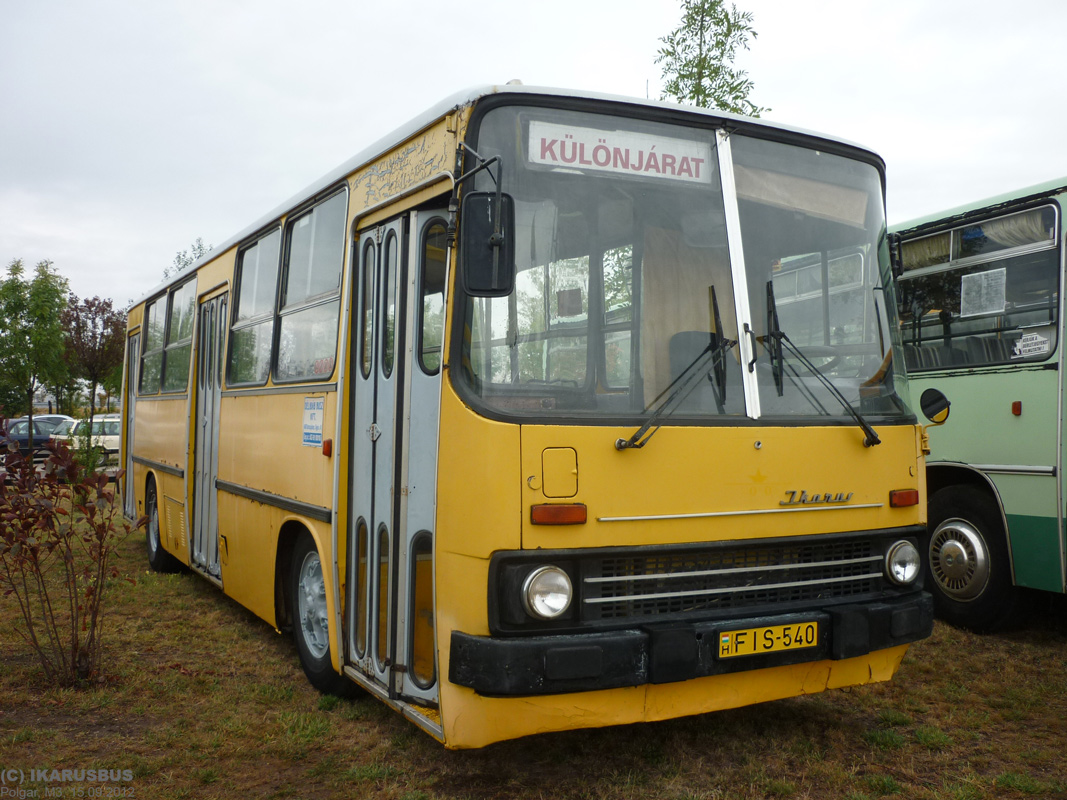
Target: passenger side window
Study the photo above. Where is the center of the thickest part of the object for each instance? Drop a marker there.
(179, 338)
(152, 354)
(310, 296)
(168, 340)
(253, 326)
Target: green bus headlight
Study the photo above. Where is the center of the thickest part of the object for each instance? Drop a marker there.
(902, 563)
(546, 592)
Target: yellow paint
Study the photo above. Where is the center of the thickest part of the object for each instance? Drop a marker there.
(474, 721)
(263, 449)
(491, 473)
(687, 472)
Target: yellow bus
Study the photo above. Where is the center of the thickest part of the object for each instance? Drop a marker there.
(549, 410)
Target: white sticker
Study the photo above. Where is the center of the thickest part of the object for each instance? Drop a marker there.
(983, 293)
(314, 408)
(1031, 344)
(620, 152)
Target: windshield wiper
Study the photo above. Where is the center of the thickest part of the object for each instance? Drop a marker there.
(686, 381)
(774, 348)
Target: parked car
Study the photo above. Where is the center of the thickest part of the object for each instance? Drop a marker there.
(18, 430)
(62, 431)
(51, 421)
(107, 434)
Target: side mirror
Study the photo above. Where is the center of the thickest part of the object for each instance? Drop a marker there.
(487, 244)
(934, 406)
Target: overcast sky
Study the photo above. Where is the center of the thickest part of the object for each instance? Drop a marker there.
(130, 128)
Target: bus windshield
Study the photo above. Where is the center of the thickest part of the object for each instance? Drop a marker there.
(627, 283)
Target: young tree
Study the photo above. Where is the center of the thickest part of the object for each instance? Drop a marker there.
(95, 341)
(698, 57)
(184, 259)
(65, 391)
(31, 332)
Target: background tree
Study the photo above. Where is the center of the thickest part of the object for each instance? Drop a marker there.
(31, 333)
(698, 57)
(112, 381)
(95, 341)
(65, 391)
(184, 259)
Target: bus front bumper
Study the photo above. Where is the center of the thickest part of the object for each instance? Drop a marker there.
(664, 653)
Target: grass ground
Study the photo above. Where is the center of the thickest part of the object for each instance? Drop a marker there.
(204, 700)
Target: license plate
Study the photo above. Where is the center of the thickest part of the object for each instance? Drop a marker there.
(753, 641)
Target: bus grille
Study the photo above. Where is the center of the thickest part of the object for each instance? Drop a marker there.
(743, 577)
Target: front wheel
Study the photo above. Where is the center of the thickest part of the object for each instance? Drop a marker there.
(307, 595)
(968, 569)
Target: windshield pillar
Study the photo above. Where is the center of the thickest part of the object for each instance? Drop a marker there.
(742, 308)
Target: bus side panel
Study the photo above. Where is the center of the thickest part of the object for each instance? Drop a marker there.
(1035, 550)
(983, 430)
(161, 436)
(261, 448)
(246, 553)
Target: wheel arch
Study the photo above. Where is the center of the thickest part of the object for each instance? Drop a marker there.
(150, 482)
(288, 534)
(944, 474)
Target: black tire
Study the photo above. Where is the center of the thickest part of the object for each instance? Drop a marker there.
(307, 597)
(158, 558)
(968, 569)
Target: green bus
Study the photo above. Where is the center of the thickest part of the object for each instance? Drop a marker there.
(979, 293)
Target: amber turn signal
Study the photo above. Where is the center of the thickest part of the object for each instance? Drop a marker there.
(558, 514)
(899, 498)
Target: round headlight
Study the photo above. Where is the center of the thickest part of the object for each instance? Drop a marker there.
(902, 563)
(546, 593)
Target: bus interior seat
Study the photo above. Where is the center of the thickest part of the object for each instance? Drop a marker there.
(931, 356)
(685, 348)
(988, 350)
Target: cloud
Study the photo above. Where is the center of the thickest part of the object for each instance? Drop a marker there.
(133, 128)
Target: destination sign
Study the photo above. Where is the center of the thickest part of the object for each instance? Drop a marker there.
(620, 152)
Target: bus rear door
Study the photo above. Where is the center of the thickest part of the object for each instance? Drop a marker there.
(212, 317)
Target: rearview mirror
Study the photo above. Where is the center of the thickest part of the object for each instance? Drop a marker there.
(487, 244)
(934, 406)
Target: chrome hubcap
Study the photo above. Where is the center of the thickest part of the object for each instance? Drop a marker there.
(311, 605)
(959, 559)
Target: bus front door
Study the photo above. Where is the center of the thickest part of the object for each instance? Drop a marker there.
(205, 554)
(393, 462)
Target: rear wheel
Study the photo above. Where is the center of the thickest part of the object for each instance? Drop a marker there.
(158, 558)
(968, 569)
(307, 595)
